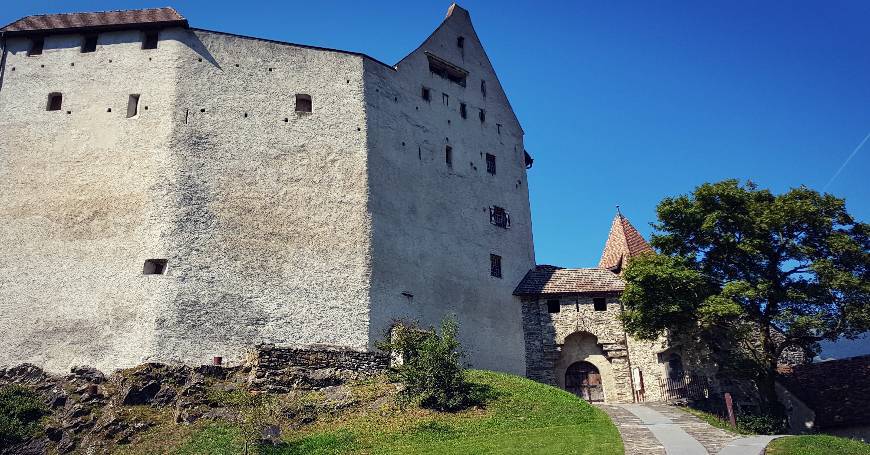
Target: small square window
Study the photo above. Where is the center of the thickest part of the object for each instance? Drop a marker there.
(149, 41)
(303, 103)
(499, 217)
(427, 95)
(36, 46)
(154, 267)
(89, 44)
(55, 102)
(463, 110)
(495, 265)
(599, 303)
(553, 306)
(490, 163)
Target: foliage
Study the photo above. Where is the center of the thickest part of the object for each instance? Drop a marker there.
(253, 412)
(750, 274)
(431, 370)
(817, 445)
(20, 413)
(761, 424)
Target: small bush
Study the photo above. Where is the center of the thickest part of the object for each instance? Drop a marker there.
(20, 411)
(761, 424)
(431, 368)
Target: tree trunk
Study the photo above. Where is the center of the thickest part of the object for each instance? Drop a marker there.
(767, 380)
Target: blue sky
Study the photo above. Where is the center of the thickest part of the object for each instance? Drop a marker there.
(623, 102)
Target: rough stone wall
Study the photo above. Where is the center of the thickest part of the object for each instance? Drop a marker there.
(84, 200)
(285, 368)
(432, 236)
(260, 211)
(554, 341)
(270, 234)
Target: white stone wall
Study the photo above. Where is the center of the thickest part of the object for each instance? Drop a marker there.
(264, 221)
(84, 200)
(432, 236)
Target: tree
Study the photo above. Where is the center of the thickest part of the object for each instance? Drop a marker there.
(742, 267)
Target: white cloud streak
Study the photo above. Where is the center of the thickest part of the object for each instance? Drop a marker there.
(843, 166)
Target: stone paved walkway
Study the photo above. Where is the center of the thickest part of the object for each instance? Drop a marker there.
(658, 429)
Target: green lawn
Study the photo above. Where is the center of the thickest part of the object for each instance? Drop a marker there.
(522, 417)
(817, 445)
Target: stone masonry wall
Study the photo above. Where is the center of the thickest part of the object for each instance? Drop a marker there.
(280, 369)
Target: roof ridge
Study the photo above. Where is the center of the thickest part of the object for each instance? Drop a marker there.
(94, 12)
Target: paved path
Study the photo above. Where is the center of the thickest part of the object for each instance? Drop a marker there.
(658, 429)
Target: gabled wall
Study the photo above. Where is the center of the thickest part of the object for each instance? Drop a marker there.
(432, 236)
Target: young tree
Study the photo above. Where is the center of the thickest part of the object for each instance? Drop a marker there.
(740, 266)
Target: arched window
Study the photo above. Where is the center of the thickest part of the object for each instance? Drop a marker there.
(303, 102)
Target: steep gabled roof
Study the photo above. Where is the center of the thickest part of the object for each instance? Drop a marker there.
(623, 243)
(551, 280)
(103, 20)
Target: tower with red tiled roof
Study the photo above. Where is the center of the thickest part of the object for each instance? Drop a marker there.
(623, 243)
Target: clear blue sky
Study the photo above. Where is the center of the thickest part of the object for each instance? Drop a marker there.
(623, 102)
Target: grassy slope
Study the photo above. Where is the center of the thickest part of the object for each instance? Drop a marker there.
(524, 417)
(817, 445)
(714, 420)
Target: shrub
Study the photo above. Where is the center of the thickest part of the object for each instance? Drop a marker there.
(761, 424)
(20, 411)
(431, 368)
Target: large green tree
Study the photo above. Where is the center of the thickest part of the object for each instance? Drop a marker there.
(751, 274)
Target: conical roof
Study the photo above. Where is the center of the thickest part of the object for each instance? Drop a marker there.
(623, 243)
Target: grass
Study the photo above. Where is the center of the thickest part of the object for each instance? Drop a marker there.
(521, 417)
(817, 445)
(715, 421)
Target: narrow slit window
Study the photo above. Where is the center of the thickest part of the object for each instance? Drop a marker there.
(445, 98)
(500, 217)
(482, 115)
(55, 102)
(490, 163)
(483, 88)
(599, 303)
(553, 306)
(426, 94)
(149, 41)
(463, 110)
(303, 103)
(460, 42)
(495, 265)
(448, 156)
(89, 44)
(36, 46)
(133, 105)
(154, 267)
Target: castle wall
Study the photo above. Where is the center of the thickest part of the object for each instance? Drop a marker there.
(84, 200)
(270, 234)
(262, 217)
(432, 236)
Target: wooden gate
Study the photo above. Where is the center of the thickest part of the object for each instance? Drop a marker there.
(584, 380)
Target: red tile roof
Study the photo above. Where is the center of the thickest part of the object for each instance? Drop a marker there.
(623, 243)
(548, 279)
(96, 21)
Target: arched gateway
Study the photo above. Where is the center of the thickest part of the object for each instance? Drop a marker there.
(584, 380)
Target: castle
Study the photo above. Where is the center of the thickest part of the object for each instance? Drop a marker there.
(173, 194)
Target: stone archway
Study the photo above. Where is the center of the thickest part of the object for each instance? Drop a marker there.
(583, 347)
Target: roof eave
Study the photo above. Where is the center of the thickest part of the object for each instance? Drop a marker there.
(98, 28)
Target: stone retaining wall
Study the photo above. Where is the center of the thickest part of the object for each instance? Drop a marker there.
(280, 369)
